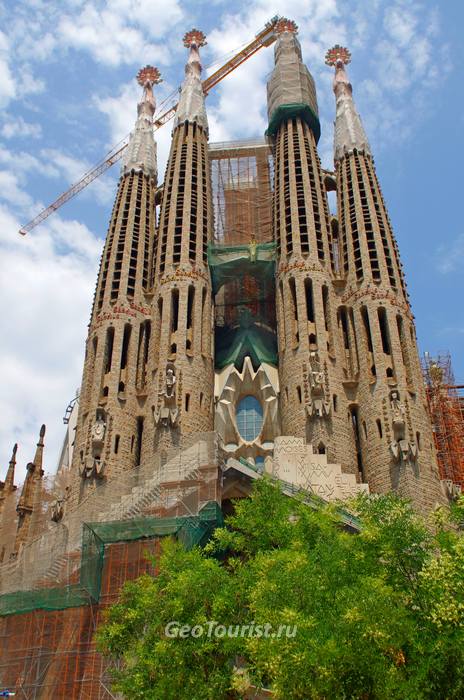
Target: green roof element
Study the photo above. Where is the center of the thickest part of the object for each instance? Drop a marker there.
(250, 338)
(227, 263)
(291, 111)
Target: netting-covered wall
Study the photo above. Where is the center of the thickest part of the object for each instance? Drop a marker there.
(178, 483)
(242, 191)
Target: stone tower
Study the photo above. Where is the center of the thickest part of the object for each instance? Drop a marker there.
(109, 434)
(389, 414)
(183, 375)
(311, 362)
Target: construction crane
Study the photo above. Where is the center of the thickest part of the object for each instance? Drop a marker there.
(264, 38)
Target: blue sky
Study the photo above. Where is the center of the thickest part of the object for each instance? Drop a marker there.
(67, 94)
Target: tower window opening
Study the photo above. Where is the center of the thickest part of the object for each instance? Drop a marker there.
(205, 321)
(418, 440)
(159, 322)
(190, 306)
(138, 447)
(365, 429)
(379, 427)
(355, 424)
(292, 286)
(116, 444)
(404, 349)
(344, 324)
(309, 299)
(383, 325)
(298, 390)
(367, 328)
(187, 401)
(201, 399)
(109, 349)
(174, 310)
(335, 402)
(125, 345)
(321, 449)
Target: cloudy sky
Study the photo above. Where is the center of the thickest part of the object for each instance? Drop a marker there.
(68, 94)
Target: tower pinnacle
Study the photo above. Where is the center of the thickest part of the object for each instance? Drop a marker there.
(191, 106)
(9, 479)
(141, 150)
(349, 131)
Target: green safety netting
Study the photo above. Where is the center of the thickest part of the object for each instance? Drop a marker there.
(228, 263)
(192, 531)
(291, 111)
(250, 329)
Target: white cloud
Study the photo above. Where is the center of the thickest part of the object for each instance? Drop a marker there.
(17, 127)
(10, 190)
(49, 276)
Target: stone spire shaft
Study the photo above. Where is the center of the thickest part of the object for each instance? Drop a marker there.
(388, 410)
(310, 360)
(182, 362)
(191, 107)
(114, 384)
(349, 131)
(140, 155)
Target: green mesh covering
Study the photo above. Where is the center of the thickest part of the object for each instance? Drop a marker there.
(230, 262)
(248, 324)
(192, 531)
(291, 111)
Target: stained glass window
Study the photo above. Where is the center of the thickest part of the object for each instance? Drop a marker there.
(249, 418)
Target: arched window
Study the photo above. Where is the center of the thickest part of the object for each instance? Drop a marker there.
(249, 415)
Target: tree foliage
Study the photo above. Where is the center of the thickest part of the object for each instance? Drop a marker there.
(378, 615)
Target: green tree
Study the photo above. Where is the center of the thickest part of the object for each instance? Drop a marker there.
(378, 615)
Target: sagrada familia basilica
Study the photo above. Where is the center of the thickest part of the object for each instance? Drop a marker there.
(238, 329)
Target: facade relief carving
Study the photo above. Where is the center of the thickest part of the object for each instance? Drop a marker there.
(167, 411)
(403, 451)
(93, 464)
(318, 405)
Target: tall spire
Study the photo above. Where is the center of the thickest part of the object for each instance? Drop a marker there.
(8, 485)
(191, 106)
(349, 131)
(140, 155)
(290, 90)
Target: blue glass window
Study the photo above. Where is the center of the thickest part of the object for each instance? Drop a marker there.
(249, 418)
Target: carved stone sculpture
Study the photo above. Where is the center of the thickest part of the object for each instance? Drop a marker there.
(402, 450)
(168, 412)
(318, 406)
(92, 465)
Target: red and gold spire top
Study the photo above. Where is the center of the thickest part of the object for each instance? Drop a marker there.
(191, 107)
(349, 131)
(286, 25)
(140, 155)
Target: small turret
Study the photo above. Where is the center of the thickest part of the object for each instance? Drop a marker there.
(30, 494)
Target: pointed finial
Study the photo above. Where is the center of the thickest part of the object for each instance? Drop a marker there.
(337, 53)
(41, 435)
(39, 451)
(196, 37)
(9, 479)
(286, 25)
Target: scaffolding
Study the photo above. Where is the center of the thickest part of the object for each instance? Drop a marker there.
(242, 173)
(446, 406)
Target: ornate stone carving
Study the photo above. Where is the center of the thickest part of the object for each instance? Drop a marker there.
(93, 465)
(404, 451)
(167, 412)
(57, 506)
(318, 405)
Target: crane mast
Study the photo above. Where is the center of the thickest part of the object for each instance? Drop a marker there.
(264, 38)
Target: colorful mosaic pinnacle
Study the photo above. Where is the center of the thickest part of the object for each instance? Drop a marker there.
(148, 74)
(194, 36)
(337, 53)
(286, 25)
